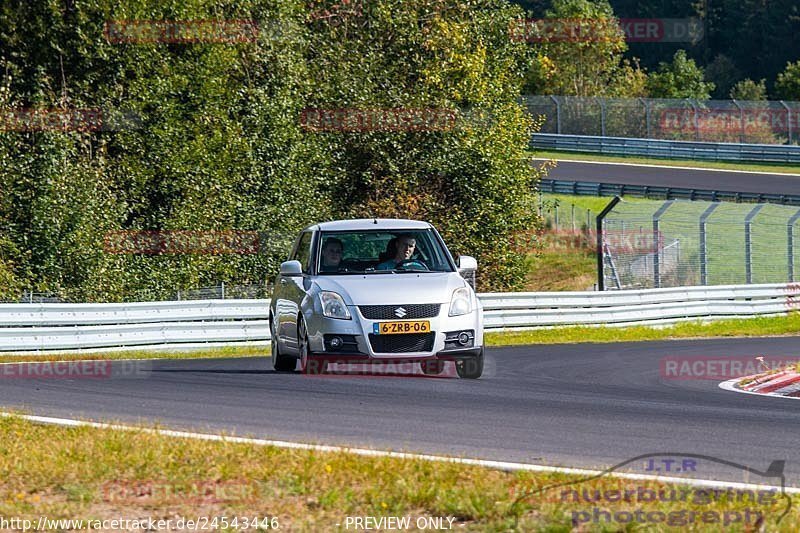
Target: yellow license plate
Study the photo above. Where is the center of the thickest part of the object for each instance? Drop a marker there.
(394, 328)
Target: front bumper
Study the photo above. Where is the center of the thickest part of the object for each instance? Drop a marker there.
(359, 328)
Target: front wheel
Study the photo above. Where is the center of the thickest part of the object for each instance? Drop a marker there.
(308, 365)
(280, 362)
(470, 368)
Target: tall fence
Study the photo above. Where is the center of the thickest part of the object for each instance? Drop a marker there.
(726, 121)
(683, 243)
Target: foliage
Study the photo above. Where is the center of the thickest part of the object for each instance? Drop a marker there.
(749, 90)
(681, 78)
(589, 64)
(218, 144)
(788, 84)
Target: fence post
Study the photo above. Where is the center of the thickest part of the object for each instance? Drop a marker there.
(573, 218)
(788, 120)
(790, 242)
(222, 283)
(656, 218)
(646, 117)
(602, 115)
(703, 245)
(599, 228)
(748, 267)
(558, 114)
(741, 120)
(696, 121)
(555, 215)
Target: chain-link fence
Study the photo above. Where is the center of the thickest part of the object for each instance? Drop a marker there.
(737, 121)
(681, 243)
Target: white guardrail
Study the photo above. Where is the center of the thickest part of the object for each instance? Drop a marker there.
(47, 326)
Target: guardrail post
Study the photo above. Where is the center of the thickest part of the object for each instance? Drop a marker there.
(748, 274)
(558, 114)
(703, 245)
(599, 229)
(788, 120)
(790, 243)
(656, 234)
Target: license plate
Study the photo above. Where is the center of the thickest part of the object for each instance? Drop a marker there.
(394, 328)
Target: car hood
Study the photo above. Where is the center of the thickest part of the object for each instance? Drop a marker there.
(391, 289)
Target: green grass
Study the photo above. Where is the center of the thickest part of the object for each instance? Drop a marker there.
(778, 168)
(751, 327)
(574, 270)
(173, 353)
(88, 473)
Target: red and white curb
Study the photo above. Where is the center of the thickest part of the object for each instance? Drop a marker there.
(783, 384)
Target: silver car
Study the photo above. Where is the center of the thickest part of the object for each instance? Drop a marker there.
(375, 290)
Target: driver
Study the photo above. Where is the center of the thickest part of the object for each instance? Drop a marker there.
(404, 248)
(332, 251)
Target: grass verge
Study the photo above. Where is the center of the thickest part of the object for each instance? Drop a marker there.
(749, 327)
(776, 168)
(100, 474)
(172, 353)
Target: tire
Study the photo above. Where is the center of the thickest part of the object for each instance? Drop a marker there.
(470, 368)
(432, 368)
(308, 365)
(281, 363)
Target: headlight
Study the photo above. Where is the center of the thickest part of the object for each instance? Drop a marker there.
(460, 303)
(333, 305)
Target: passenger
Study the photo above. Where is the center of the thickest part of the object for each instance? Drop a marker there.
(332, 251)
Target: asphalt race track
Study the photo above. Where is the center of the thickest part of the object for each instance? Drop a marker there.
(590, 405)
(675, 177)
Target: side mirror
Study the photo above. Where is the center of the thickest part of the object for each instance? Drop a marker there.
(467, 267)
(466, 262)
(291, 268)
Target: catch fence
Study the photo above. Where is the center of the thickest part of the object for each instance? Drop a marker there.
(677, 243)
(717, 121)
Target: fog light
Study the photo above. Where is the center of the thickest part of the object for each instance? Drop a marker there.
(463, 338)
(336, 343)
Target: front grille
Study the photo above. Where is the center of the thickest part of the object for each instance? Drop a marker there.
(411, 342)
(389, 312)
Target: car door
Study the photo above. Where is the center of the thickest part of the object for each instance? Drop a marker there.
(292, 291)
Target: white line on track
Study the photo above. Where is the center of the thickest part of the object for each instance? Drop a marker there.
(730, 385)
(669, 167)
(499, 465)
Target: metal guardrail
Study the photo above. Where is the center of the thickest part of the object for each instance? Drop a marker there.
(772, 153)
(588, 188)
(47, 327)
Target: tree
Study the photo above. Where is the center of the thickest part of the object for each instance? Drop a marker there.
(749, 90)
(788, 85)
(680, 79)
(579, 52)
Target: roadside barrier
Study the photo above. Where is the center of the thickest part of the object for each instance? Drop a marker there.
(50, 326)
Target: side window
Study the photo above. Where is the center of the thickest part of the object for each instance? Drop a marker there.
(303, 253)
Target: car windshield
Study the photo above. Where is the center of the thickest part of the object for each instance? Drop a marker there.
(381, 252)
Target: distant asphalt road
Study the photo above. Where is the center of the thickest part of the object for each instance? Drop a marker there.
(705, 179)
(589, 405)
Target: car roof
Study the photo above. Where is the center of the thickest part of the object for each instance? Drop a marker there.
(371, 224)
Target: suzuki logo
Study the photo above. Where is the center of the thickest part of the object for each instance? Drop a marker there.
(400, 312)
